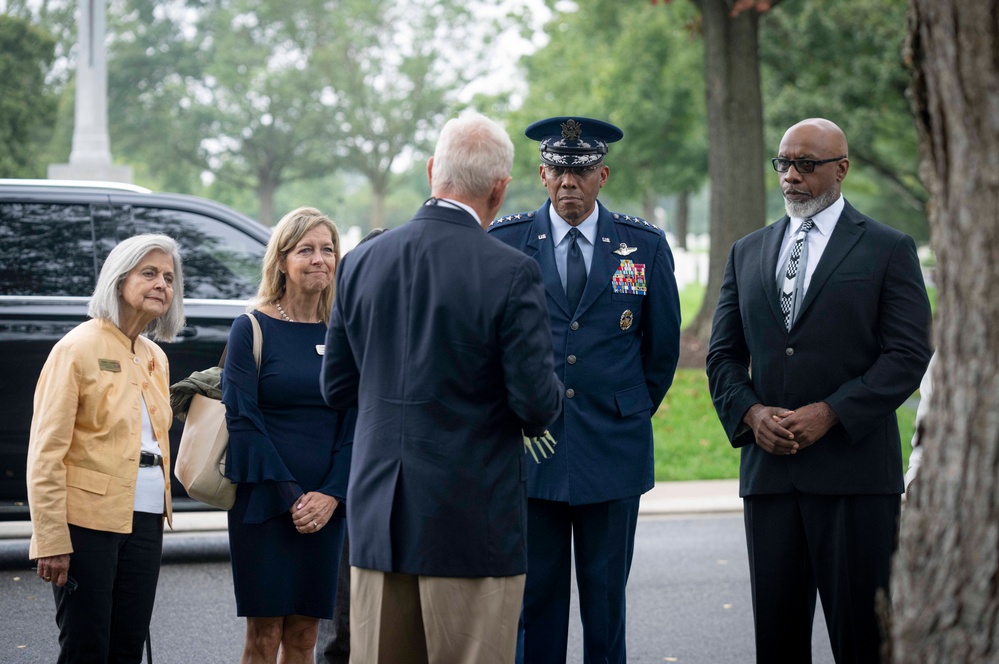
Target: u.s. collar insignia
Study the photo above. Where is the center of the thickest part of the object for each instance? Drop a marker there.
(626, 319)
(605, 239)
(625, 250)
(543, 236)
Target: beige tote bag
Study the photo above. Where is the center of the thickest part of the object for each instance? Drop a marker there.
(200, 463)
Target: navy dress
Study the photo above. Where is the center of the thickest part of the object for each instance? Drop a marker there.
(284, 441)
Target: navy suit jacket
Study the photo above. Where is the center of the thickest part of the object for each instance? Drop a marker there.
(860, 344)
(439, 335)
(616, 355)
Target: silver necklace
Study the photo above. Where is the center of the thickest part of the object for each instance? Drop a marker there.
(277, 303)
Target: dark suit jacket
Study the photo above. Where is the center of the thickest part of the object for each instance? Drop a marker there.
(616, 355)
(439, 334)
(860, 343)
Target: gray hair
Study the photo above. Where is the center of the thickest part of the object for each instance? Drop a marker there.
(473, 152)
(105, 302)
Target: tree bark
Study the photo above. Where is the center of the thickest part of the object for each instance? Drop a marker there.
(378, 198)
(265, 196)
(649, 200)
(682, 218)
(946, 571)
(735, 137)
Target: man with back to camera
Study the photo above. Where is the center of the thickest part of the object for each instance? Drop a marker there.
(439, 335)
(333, 642)
(615, 319)
(821, 333)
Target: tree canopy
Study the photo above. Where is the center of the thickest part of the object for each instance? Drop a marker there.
(232, 96)
(636, 67)
(27, 109)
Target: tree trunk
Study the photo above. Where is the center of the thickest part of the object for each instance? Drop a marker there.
(265, 196)
(377, 209)
(682, 219)
(735, 137)
(649, 200)
(946, 571)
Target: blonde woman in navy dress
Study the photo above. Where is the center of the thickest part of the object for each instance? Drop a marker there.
(288, 451)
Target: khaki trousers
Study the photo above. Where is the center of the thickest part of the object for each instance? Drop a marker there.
(407, 619)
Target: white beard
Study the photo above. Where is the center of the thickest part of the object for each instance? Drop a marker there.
(810, 207)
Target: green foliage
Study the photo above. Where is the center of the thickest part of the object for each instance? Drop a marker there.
(57, 19)
(391, 95)
(636, 66)
(690, 301)
(27, 109)
(150, 62)
(690, 443)
(251, 95)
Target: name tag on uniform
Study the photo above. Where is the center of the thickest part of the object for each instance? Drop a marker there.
(320, 349)
(630, 278)
(109, 365)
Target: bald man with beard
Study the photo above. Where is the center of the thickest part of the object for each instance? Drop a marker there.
(821, 333)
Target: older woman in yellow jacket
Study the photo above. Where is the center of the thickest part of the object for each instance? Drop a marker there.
(99, 455)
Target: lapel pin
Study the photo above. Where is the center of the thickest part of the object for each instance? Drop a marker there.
(542, 237)
(605, 239)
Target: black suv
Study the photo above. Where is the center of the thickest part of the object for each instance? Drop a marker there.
(54, 237)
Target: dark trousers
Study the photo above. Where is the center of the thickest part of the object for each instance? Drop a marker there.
(603, 537)
(106, 619)
(838, 545)
(333, 644)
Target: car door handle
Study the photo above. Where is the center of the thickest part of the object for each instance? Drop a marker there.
(188, 332)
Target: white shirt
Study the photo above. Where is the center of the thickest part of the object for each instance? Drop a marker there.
(448, 202)
(149, 483)
(817, 239)
(560, 236)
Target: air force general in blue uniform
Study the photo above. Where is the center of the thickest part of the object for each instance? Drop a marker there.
(616, 350)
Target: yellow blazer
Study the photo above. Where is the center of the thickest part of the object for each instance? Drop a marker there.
(83, 454)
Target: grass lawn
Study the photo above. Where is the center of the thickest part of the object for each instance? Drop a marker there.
(690, 443)
(690, 302)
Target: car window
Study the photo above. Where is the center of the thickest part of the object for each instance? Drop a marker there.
(220, 261)
(46, 249)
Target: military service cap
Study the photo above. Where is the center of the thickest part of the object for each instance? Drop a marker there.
(573, 142)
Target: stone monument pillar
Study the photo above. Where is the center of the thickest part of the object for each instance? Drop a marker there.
(91, 155)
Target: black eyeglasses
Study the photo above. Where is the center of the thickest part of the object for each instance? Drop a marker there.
(781, 165)
(558, 171)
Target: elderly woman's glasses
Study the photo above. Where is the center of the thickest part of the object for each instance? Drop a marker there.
(781, 165)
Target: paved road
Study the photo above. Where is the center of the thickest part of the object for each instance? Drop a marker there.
(688, 602)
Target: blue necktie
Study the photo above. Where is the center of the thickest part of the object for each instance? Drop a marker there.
(575, 271)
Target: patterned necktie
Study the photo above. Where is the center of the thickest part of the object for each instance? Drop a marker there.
(575, 271)
(791, 286)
